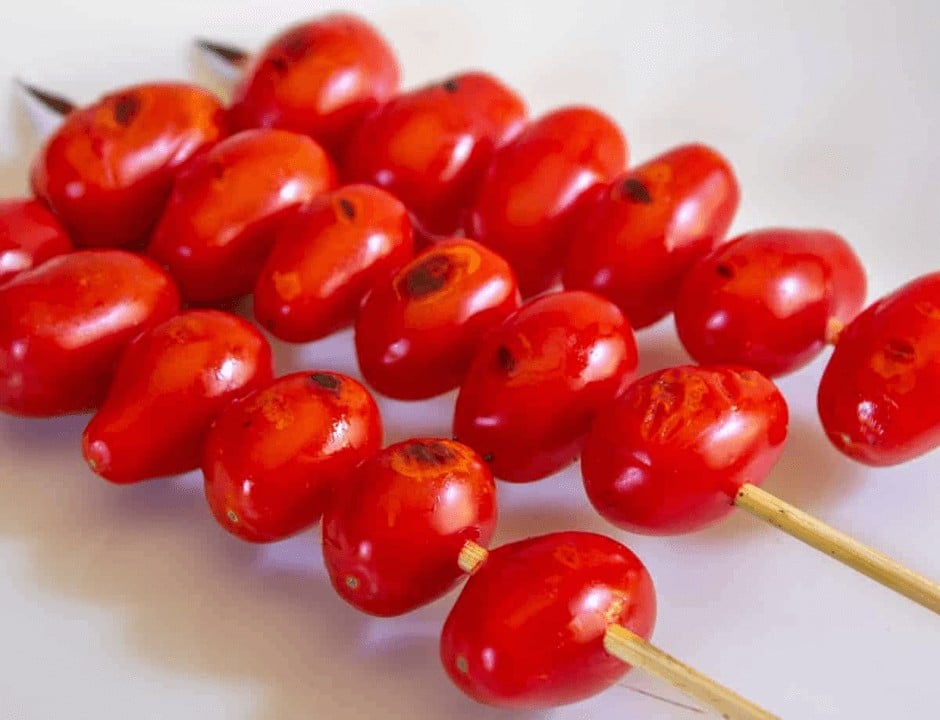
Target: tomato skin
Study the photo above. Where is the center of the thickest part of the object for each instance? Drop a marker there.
(669, 455)
(319, 77)
(527, 630)
(765, 299)
(108, 170)
(29, 235)
(431, 146)
(170, 384)
(272, 458)
(393, 535)
(537, 380)
(417, 331)
(634, 243)
(878, 395)
(326, 258)
(533, 188)
(226, 207)
(64, 324)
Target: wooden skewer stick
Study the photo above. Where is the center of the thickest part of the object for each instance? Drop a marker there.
(55, 103)
(226, 53)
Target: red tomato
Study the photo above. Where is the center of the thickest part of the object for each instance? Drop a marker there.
(64, 324)
(528, 628)
(671, 453)
(534, 185)
(326, 258)
(29, 235)
(635, 242)
(430, 147)
(220, 222)
(537, 380)
(272, 458)
(393, 535)
(170, 384)
(108, 170)
(416, 332)
(878, 396)
(766, 298)
(320, 77)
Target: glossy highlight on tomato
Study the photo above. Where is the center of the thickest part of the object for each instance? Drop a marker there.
(29, 235)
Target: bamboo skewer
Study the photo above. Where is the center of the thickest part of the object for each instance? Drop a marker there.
(228, 54)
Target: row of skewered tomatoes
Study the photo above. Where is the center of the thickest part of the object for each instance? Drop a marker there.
(454, 208)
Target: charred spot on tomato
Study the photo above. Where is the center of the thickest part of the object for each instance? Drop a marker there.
(232, 516)
(428, 276)
(433, 453)
(725, 270)
(900, 351)
(352, 582)
(295, 45)
(126, 108)
(452, 85)
(349, 210)
(326, 381)
(635, 190)
(487, 458)
(279, 64)
(505, 359)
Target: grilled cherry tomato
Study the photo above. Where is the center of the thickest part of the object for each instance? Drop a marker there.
(319, 77)
(878, 395)
(393, 534)
(272, 458)
(529, 195)
(108, 170)
(670, 454)
(635, 242)
(64, 324)
(29, 235)
(326, 258)
(430, 147)
(767, 298)
(528, 628)
(416, 332)
(537, 380)
(170, 384)
(220, 222)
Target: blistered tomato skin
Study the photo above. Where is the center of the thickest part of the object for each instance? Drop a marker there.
(878, 395)
(430, 147)
(326, 258)
(171, 383)
(534, 185)
(635, 242)
(538, 379)
(671, 453)
(29, 235)
(766, 299)
(393, 535)
(64, 324)
(417, 331)
(108, 170)
(319, 78)
(226, 207)
(527, 630)
(273, 458)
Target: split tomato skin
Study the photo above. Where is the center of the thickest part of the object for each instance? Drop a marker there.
(671, 453)
(417, 331)
(538, 379)
(64, 324)
(527, 630)
(766, 299)
(29, 235)
(171, 383)
(878, 395)
(273, 458)
(635, 242)
(393, 535)
(108, 170)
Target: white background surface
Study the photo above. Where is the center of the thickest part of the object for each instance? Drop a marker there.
(131, 603)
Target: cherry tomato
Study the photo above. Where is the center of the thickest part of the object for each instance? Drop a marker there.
(320, 77)
(528, 628)
(671, 453)
(326, 258)
(537, 380)
(635, 242)
(393, 535)
(29, 235)
(64, 324)
(272, 458)
(767, 298)
(170, 384)
(416, 332)
(430, 147)
(220, 222)
(108, 170)
(533, 186)
(878, 395)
